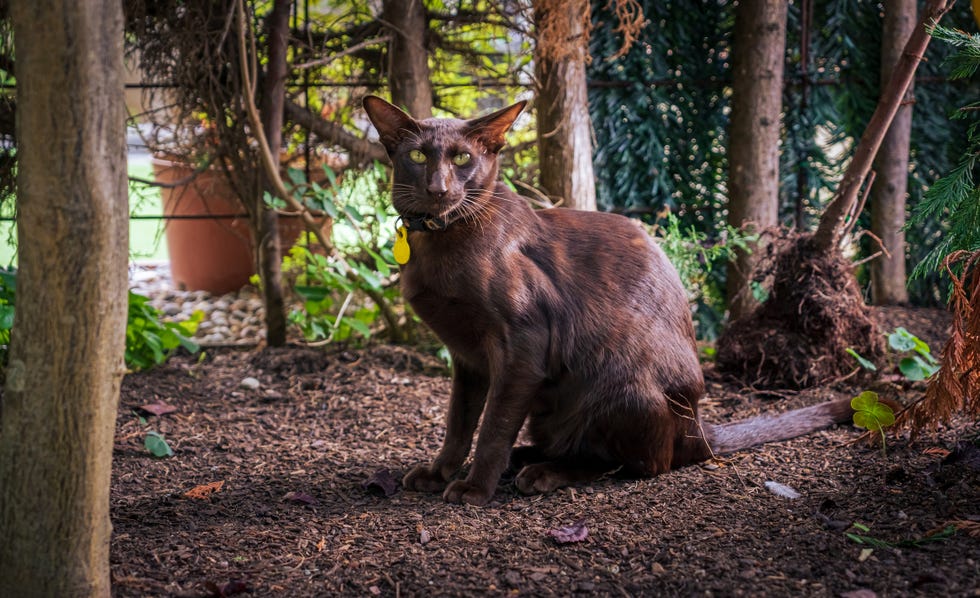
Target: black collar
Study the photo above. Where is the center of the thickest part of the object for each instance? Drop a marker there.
(425, 223)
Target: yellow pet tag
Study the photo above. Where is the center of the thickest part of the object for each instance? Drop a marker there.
(401, 250)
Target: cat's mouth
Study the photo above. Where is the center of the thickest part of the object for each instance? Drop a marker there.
(434, 220)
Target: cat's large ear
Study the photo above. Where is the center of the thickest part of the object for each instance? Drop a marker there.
(490, 129)
(392, 123)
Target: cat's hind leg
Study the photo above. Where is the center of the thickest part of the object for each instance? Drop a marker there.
(521, 456)
(546, 476)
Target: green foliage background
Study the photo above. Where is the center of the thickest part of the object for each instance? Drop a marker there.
(660, 114)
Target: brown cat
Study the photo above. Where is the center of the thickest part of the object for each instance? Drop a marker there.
(573, 321)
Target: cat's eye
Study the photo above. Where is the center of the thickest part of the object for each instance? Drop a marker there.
(417, 156)
(461, 159)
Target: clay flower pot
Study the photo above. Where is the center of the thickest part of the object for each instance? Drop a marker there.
(208, 236)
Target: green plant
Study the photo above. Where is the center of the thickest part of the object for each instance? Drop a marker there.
(915, 360)
(149, 340)
(862, 361)
(695, 256)
(862, 537)
(157, 445)
(871, 414)
(920, 364)
(955, 197)
(8, 286)
(345, 293)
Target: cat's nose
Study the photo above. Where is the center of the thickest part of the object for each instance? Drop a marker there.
(437, 189)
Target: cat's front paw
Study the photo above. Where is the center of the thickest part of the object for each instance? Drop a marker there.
(464, 491)
(424, 478)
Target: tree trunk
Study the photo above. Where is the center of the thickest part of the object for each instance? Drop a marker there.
(564, 125)
(892, 165)
(753, 150)
(265, 218)
(408, 58)
(66, 358)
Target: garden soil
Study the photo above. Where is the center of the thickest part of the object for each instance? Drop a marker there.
(290, 487)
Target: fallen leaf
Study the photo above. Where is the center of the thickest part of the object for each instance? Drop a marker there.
(575, 532)
(865, 554)
(782, 490)
(937, 451)
(204, 490)
(299, 497)
(159, 408)
(381, 481)
(321, 544)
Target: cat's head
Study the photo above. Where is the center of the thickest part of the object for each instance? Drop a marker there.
(443, 167)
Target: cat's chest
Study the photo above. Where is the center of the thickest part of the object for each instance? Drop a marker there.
(466, 299)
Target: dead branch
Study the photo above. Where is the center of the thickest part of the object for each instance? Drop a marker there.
(362, 151)
(830, 228)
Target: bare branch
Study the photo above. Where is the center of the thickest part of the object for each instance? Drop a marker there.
(362, 150)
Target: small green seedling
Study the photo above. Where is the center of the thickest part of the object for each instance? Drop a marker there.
(862, 538)
(157, 445)
(918, 366)
(915, 358)
(871, 414)
(862, 361)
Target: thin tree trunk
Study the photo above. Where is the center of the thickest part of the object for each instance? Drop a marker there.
(59, 406)
(266, 219)
(408, 58)
(892, 165)
(753, 150)
(564, 124)
(831, 226)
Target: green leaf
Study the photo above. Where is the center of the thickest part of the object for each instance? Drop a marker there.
(312, 293)
(901, 340)
(379, 263)
(915, 368)
(273, 202)
(6, 317)
(330, 209)
(296, 176)
(870, 413)
(361, 328)
(862, 361)
(157, 446)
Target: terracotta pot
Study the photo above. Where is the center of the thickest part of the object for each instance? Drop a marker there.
(211, 254)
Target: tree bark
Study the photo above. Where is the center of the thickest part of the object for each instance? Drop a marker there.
(265, 218)
(564, 124)
(408, 58)
(892, 165)
(66, 357)
(753, 149)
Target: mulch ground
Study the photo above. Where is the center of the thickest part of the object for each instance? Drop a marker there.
(297, 515)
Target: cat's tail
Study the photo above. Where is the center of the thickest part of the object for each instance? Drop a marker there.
(728, 438)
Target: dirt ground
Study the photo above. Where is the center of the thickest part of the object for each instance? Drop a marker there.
(296, 516)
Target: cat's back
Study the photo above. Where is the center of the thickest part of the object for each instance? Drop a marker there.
(612, 248)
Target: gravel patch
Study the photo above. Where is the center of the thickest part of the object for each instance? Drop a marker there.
(232, 319)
